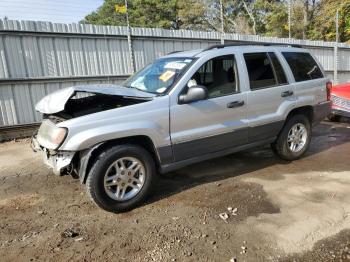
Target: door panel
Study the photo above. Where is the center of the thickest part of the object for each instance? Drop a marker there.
(265, 112)
(213, 124)
(270, 95)
(207, 126)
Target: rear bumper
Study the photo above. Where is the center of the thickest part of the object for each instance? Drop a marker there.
(57, 161)
(321, 111)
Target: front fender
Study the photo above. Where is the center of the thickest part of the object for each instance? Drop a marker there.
(149, 119)
(78, 140)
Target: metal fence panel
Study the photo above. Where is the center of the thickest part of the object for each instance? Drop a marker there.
(47, 56)
(3, 64)
(325, 57)
(31, 57)
(37, 91)
(15, 56)
(7, 106)
(37, 58)
(344, 59)
(77, 57)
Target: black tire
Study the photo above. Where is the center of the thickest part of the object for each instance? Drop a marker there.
(95, 180)
(333, 118)
(281, 147)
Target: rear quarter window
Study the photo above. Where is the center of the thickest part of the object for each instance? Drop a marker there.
(303, 66)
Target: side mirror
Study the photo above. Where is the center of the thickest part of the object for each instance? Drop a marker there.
(194, 93)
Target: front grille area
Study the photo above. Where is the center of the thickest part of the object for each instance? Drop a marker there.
(339, 101)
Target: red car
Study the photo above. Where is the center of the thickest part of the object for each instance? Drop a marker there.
(340, 96)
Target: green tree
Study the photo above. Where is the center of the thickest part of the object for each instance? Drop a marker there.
(192, 14)
(323, 24)
(237, 15)
(142, 13)
(175, 14)
(311, 19)
(272, 18)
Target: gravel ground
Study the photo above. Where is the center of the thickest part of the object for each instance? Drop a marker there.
(286, 211)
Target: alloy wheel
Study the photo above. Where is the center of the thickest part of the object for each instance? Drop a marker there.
(124, 178)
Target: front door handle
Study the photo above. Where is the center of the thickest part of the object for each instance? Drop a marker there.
(235, 104)
(287, 93)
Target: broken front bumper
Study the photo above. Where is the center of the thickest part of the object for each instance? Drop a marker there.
(58, 160)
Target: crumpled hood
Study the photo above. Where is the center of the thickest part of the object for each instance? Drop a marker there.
(55, 102)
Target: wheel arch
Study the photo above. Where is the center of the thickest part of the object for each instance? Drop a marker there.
(88, 157)
(308, 111)
(280, 145)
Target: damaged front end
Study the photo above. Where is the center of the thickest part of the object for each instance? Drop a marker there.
(70, 103)
(47, 141)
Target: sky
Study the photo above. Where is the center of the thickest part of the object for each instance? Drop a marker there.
(58, 11)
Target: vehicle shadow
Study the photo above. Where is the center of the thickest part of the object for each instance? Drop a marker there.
(326, 137)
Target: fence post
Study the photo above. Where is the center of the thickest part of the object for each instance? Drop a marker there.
(336, 48)
(131, 51)
(222, 37)
(335, 68)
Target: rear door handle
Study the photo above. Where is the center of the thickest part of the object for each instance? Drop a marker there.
(235, 104)
(287, 93)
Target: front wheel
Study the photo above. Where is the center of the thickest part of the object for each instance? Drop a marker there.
(294, 139)
(121, 178)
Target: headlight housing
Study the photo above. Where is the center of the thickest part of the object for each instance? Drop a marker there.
(51, 136)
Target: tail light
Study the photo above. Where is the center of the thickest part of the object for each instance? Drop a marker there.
(329, 89)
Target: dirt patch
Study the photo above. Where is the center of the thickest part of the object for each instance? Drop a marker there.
(249, 198)
(184, 225)
(334, 248)
(20, 202)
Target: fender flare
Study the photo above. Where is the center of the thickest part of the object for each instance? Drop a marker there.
(85, 156)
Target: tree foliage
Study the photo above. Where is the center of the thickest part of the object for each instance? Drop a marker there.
(323, 24)
(272, 18)
(142, 13)
(311, 19)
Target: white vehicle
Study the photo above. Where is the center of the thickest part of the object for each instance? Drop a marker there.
(184, 108)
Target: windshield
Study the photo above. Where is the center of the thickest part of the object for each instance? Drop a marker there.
(158, 76)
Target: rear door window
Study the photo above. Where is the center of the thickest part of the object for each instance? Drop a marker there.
(303, 66)
(260, 70)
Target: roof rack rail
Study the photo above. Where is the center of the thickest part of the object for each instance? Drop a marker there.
(250, 43)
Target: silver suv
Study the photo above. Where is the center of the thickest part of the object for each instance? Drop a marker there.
(184, 108)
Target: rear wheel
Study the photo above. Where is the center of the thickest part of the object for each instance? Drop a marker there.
(294, 139)
(121, 178)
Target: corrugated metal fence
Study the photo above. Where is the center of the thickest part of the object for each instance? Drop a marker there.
(37, 58)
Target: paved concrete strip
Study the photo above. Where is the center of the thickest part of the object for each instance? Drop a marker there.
(313, 206)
